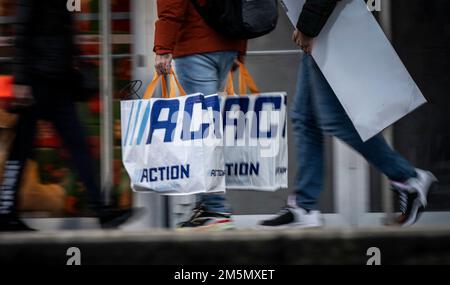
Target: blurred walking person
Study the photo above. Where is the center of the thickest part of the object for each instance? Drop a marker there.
(203, 58)
(316, 111)
(44, 78)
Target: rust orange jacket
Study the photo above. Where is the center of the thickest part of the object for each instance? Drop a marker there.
(181, 30)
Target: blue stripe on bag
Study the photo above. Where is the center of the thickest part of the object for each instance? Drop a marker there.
(128, 125)
(135, 122)
(143, 124)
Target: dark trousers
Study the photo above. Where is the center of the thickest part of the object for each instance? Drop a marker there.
(53, 103)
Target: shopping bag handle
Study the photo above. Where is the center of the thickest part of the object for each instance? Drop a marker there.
(173, 83)
(246, 82)
(229, 88)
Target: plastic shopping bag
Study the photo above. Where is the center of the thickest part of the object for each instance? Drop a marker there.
(255, 137)
(173, 145)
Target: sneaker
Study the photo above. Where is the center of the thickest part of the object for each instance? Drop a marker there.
(11, 223)
(294, 217)
(403, 201)
(203, 220)
(413, 195)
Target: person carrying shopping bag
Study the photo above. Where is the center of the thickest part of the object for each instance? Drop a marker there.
(203, 57)
(316, 111)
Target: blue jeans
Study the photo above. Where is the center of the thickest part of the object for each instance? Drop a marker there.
(316, 111)
(206, 73)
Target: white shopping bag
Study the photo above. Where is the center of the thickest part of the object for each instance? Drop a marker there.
(173, 145)
(362, 67)
(255, 137)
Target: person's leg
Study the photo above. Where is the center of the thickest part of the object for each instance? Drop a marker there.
(334, 121)
(412, 185)
(65, 120)
(308, 141)
(20, 151)
(205, 73)
(308, 137)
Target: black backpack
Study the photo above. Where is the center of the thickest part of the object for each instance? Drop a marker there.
(240, 19)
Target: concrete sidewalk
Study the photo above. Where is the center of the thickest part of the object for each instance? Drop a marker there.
(320, 246)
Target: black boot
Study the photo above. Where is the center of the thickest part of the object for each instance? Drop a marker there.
(111, 218)
(12, 223)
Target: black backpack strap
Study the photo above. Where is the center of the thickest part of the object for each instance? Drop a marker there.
(197, 6)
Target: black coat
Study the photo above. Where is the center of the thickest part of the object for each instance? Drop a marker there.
(314, 15)
(44, 43)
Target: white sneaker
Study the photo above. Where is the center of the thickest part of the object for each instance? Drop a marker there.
(290, 217)
(413, 196)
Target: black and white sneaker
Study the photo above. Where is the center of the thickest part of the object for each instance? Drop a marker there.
(204, 220)
(294, 217)
(413, 195)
